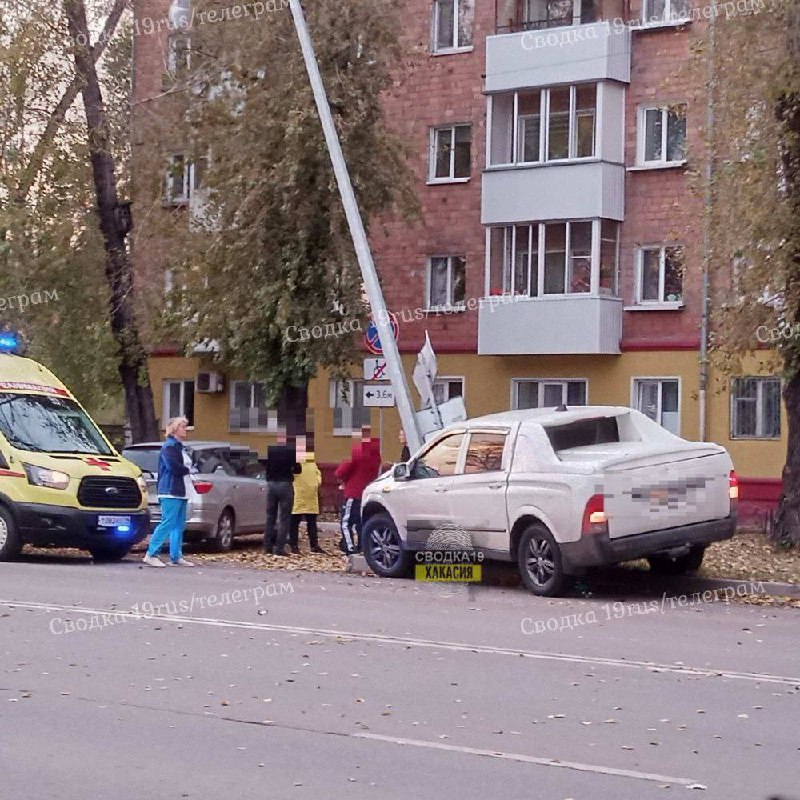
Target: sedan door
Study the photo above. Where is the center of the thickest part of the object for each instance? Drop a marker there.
(422, 503)
(478, 491)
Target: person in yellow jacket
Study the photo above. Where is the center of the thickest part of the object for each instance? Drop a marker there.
(306, 504)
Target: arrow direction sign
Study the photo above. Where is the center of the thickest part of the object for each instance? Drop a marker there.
(378, 395)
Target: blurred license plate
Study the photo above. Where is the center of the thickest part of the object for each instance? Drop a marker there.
(112, 522)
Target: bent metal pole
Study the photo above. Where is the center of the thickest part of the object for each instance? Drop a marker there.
(371, 283)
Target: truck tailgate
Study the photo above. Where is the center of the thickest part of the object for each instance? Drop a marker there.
(658, 492)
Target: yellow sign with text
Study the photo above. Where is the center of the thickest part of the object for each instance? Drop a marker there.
(448, 573)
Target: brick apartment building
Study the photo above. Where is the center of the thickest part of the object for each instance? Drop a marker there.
(553, 140)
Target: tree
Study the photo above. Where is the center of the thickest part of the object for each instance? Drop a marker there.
(114, 226)
(753, 221)
(275, 257)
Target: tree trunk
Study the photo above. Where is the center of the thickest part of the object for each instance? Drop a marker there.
(787, 521)
(292, 410)
(118, 268)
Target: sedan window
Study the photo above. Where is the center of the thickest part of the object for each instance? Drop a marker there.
(440, 460)
(485, 453)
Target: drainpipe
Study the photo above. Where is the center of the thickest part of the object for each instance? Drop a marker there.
(709, 196)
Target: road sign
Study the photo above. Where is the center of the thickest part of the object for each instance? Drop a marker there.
(375, 369)
(372, 338)
(378, 395)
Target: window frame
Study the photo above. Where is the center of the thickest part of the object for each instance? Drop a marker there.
(432, 155)
(637, 380)
(454, 47)
(355, 385)
(536, 271)
(504, 432)
(661, 302)
(759, 406)
(166, 383)
(447, 379)
(516, 150)
(449, 305)
(175, 69)
(189, 180)
(641, 136)
(667, 18)
(515, 383)
(272, 415)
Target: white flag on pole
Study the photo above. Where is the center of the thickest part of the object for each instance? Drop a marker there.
(425, 372)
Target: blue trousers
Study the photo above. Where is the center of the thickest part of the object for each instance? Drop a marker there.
(173, 521)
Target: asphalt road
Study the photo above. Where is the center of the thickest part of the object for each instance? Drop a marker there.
(336, 686)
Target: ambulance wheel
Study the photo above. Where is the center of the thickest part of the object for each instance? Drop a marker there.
(10, 543)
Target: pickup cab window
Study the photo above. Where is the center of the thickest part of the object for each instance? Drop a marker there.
(485, 453)
(440, 461)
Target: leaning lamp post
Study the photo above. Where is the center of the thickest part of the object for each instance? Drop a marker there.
(372, 285)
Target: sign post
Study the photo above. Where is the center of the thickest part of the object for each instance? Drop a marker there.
(372, 285)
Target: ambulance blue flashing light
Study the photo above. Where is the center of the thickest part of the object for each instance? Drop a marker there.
(10, 342)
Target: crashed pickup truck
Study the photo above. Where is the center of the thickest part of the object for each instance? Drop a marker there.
(556, 490)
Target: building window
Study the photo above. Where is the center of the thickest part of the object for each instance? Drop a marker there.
(554, 258)
(659, 274)
(756, 408)
(446, 281)
(659, 399)
(662, 135)
(533, 126)
(657, 12)
(178, 401)
(445, 389)
(452, 24)
(347, 402)
(545, 393)
(179, 55)
(183, 179)
(450, 158)
(248, 410)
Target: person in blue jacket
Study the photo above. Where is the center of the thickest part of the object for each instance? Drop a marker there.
(174, 466)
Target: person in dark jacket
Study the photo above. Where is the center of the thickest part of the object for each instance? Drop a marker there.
(405, 453)
(174, 466)
(281, 466)
(354, 475)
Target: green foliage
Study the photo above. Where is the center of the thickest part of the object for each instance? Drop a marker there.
(49, 240)
(276, 251)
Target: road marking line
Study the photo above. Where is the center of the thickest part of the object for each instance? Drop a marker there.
(544, 762)
(458, 647)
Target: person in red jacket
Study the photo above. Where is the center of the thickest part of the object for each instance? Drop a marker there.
(353, 475)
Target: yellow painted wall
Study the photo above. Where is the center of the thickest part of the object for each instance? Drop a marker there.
(487, 389)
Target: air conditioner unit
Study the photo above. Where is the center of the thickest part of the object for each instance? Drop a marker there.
(210, 383)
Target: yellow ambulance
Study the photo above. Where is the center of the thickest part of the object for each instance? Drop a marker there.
(62, 484)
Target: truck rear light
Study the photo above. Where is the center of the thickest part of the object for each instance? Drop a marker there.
(733, 486)
(203, 487)
(594, 516)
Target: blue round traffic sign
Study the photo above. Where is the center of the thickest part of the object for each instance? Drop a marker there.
(372, 338)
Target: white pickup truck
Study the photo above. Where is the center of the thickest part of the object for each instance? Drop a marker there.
(557, 491)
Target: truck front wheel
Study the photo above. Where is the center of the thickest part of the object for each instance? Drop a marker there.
(540, 564)
(10, 543)
(383, 547)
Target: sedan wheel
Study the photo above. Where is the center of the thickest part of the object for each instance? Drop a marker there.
(383, 547)
(223, 540)
(539, 560)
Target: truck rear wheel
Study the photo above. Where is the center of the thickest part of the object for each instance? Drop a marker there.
(10, 543)
(540, 564)
(664, 565)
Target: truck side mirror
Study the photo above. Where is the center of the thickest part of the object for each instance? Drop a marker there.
(401, 472)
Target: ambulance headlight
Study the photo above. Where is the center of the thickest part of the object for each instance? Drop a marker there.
(51, 478)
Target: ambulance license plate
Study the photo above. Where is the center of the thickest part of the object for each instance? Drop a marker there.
(112, 522)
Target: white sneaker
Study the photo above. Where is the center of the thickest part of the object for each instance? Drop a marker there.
(181, 562)
(153, 561)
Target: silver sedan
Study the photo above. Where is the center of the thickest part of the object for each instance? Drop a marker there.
(228, 494)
